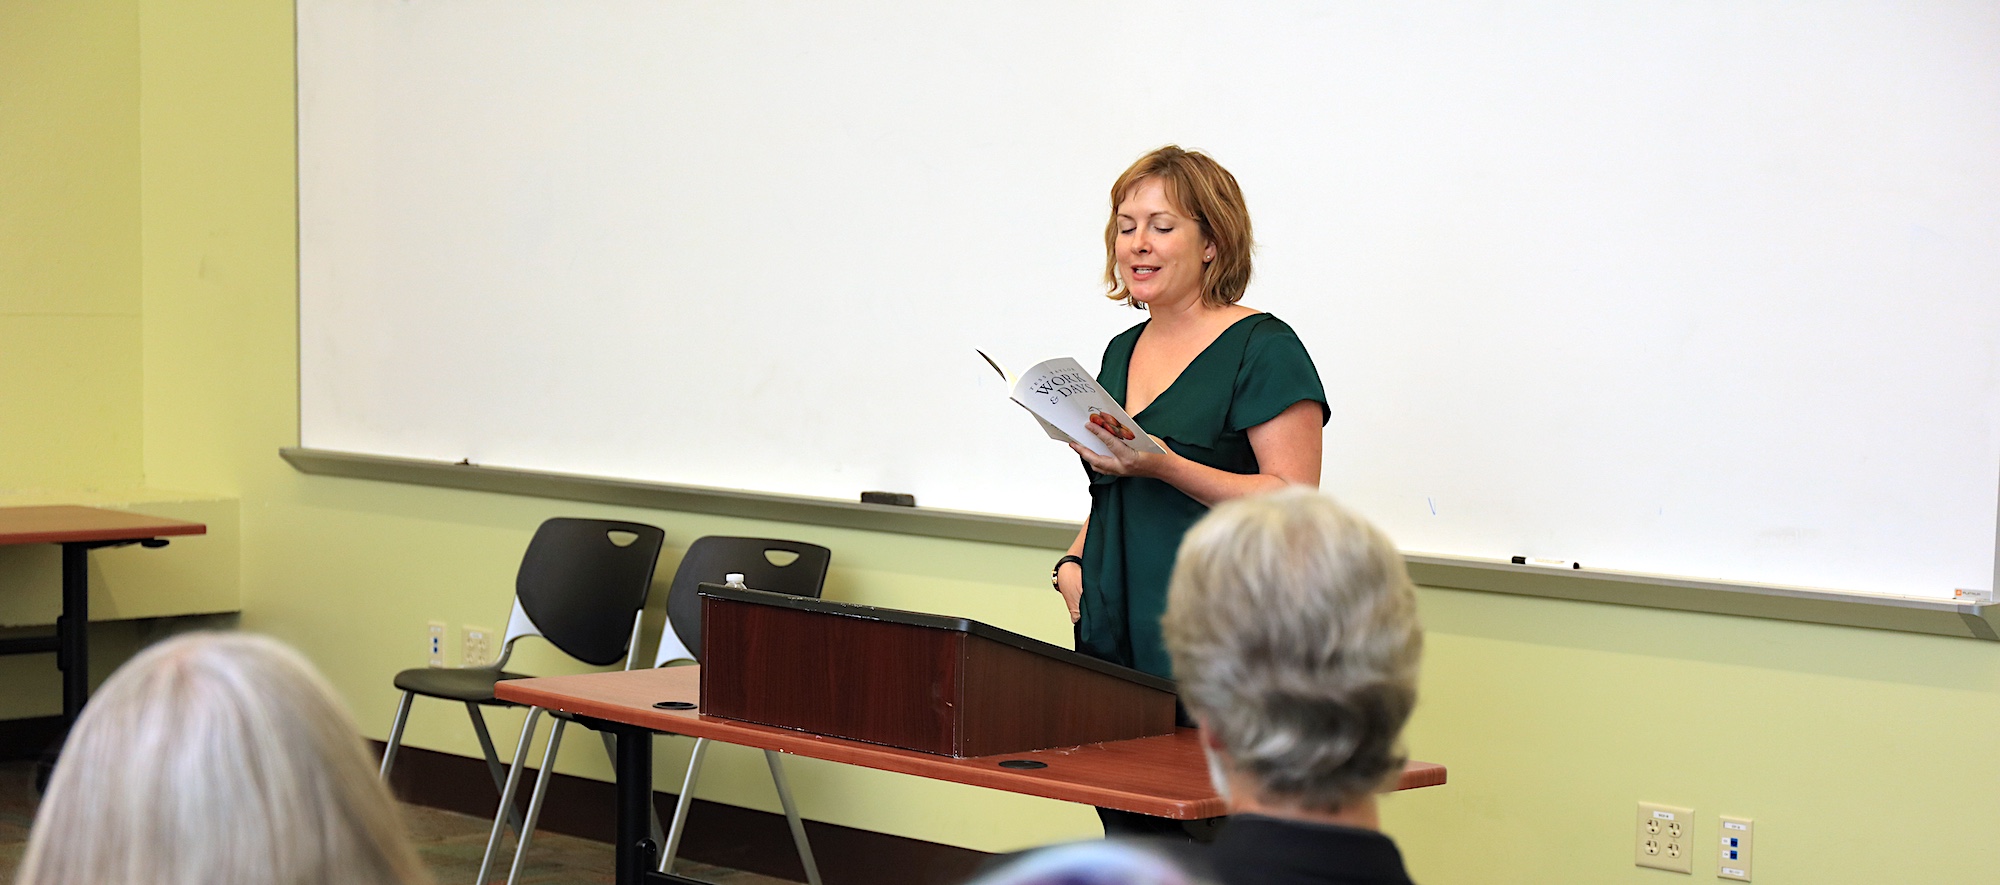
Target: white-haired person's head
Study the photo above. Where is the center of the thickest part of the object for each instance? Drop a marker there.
(1293, 628)
(217, 759)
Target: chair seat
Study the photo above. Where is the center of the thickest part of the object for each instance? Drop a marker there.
(473, 684)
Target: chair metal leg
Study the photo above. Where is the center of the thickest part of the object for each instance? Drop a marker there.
(493, 765)
(548, 773)
(396, 733)
(792, 817)
(679, 822)
(493, 759)
(500, 814)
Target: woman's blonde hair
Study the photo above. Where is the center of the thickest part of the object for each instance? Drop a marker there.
(1293, 628)
(217, 759)
(1199, 188)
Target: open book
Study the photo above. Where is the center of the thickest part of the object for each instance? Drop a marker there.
(1066, 400)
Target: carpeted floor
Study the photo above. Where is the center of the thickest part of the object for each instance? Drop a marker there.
(450, 844)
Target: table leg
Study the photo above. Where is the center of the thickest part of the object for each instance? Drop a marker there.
(636, 852)
(73, 629)
(635, 848)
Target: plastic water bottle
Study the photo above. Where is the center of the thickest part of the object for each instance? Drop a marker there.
(733, 581)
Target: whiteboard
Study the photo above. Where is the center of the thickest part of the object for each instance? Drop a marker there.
(1701, 289)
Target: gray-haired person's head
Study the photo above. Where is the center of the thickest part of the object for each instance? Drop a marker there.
(1293, 628)
(217, 759)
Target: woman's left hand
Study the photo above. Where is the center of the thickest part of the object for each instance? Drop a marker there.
(1124, 460)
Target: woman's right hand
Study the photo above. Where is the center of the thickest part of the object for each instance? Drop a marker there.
(1069, 582)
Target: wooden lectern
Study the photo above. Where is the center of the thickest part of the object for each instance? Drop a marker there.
(950, 686)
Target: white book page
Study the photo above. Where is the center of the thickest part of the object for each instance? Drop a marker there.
(1064, 396)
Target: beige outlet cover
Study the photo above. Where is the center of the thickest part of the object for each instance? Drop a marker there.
(1663, 838)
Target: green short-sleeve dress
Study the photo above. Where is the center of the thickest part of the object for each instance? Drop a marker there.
(1250, 374)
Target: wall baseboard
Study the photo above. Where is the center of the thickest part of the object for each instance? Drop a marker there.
(717, 833)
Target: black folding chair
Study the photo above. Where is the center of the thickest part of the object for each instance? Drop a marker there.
(581, 586)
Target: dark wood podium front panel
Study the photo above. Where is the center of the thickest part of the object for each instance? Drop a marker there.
(1018, 700)
(882, 683)
(915, 687)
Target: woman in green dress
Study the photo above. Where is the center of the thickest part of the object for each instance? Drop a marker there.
(1229, 392)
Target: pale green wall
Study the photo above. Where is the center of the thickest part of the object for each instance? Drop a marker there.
(1860, 753)
(69, 288)
(69, 243)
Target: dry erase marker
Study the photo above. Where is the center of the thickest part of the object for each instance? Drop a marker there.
(1546, 562)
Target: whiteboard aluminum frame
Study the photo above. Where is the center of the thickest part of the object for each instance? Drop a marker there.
(1973, 619)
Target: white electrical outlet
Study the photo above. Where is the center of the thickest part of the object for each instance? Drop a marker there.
(1662, 838)
(1732, 857)
(478, 650)
(434, 643)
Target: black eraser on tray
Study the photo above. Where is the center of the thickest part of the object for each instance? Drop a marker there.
(893, 499)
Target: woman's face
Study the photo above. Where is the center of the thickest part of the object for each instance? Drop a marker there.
(1161, 252)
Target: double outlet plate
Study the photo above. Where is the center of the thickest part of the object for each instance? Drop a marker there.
(1663, 835)
(1664, 840)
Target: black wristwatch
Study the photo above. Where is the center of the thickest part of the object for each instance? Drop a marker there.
(1056, 573)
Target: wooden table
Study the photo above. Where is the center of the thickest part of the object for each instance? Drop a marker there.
(1165, 776)
(79, 530)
